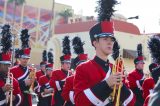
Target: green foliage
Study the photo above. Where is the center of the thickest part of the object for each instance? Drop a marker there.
(18, 2)
(66, 13)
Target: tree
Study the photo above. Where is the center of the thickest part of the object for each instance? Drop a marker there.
(17, 2)
(66, 14)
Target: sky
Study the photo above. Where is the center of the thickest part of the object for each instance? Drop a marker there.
(147, 10)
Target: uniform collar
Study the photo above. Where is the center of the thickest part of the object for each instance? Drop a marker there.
(42, 72)
(66, 72)
(101, 62)
(23, 68)
(139, 71)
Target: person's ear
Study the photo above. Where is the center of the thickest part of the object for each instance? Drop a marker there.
(94, 43)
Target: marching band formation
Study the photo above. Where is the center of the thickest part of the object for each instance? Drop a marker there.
(95, 82)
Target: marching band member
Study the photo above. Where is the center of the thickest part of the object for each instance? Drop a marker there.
(93, 82)
(59, 76)
(7, 82)
(46, 91)
(42, 71)
(68, 92)
(149, 83)
(22, 72)
(136, 77)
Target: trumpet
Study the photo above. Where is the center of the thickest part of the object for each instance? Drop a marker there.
(9, 94)
(32, 75)
(118, 67)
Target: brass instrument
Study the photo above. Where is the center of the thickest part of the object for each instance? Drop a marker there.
(49, 94)
(32, 75)
(118, 67)
(9, 94)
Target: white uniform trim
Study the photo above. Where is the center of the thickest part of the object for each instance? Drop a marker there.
(150, 91)
(129, 99)
(108, 74)
(92, 98)
(58, 85)
(71, 96)
(138, 85)
(20, 99)
(24, 75)
(2, 102)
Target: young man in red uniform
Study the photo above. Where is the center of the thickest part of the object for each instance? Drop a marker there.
(59, 76)
(6, 82)
(149, 83)
(46, 91)
(42, 71)
(68, 92)
(94, 81)
(136, 77)
(21, 72)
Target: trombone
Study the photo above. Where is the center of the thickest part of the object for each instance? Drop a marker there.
(117, 67)
(9, 94)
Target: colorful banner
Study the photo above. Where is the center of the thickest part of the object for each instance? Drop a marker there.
(35, 19)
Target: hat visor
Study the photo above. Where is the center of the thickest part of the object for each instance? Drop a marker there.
(66, 61)
(5, 62)
(25, 56)
(140, 62)
(42, 65)
(49, 69)
(105, 35)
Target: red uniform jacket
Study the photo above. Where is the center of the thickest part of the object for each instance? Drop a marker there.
(91, 88)
(16, 92)
(39, 74)
(57, 81)
(21, 74)
(148, 86)
(135, 79)
(44, 84)
(146, 101)
(67, 92)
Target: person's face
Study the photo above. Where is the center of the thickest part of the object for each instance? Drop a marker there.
(49, 73)
(43, 68)
(66, 66)
(140, 66)
(4, 67)
(24, 61)
(104, 45)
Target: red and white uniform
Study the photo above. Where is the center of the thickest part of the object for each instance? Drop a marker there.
(57, 81)
(68, 92)
(90, 86)
(148, 86)
(44, 84)
(39, 74)
(21, 73)
(136, 79)
(16, 92)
